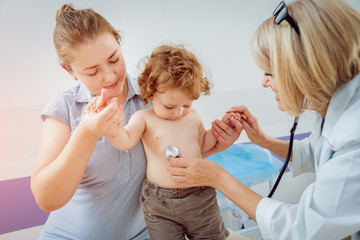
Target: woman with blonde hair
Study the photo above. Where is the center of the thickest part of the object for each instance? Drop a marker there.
(92, 189)
(310, 53)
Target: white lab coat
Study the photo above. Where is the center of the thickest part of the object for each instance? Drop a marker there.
(330, 207)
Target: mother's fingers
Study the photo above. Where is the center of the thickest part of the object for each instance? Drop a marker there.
(109, 111)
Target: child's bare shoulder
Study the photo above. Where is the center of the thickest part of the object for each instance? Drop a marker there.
(142, 113)
(139, 113)
(195, 113)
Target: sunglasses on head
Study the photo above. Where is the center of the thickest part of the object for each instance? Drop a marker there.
(281, 13)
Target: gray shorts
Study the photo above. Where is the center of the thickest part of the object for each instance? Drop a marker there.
(174, 213)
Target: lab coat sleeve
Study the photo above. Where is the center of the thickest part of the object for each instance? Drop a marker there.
(328, 209)
(303, 157)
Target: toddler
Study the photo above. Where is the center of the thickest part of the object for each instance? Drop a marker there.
(172, 79)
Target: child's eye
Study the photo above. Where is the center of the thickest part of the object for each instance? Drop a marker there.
(92, 74)
(114, 61)
(168, 107)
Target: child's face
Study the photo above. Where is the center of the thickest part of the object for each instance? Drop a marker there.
(173, 104)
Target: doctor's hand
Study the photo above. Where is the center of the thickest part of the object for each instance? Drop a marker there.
(251, 125)
(188, 172)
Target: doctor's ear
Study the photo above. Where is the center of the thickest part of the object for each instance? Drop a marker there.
(69, 70)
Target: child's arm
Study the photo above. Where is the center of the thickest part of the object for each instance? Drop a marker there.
(207, 138)
(125, 137)
(129, 135)
(210, 139)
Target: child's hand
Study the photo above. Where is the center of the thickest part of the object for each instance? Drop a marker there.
(226, 118)
(105, 122)
(250, 124)
(227, 130)
(97, 103)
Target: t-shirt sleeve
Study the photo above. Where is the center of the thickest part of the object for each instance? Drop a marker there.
(57, 108)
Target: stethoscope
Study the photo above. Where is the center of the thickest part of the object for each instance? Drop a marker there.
(173, 151)
(292, 133)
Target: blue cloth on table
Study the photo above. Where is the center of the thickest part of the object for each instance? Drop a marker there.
(248, 163)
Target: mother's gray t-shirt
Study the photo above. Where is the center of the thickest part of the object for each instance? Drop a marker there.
(106, 203)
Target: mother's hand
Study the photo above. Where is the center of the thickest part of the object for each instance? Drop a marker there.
(104, 119)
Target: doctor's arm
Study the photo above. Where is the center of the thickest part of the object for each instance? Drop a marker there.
(187, 172)
(257, 135)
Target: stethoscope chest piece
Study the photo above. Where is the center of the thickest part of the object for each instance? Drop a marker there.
(171, 151)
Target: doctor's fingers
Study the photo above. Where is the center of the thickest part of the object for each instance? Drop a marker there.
(248, 117)
(179, 162)
(254, 132)
(237, 126)
(184, 177)
(239, 109)
(242, 110)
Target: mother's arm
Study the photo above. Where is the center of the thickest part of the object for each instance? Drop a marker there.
(63, 157)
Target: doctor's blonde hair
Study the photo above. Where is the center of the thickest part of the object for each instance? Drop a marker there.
(172, 66)
(315, 63)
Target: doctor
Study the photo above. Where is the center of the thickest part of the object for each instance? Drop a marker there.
(309, 50)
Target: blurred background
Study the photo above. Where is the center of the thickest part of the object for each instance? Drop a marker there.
(218, 32)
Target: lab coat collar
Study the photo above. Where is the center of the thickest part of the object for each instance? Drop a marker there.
(338, 104)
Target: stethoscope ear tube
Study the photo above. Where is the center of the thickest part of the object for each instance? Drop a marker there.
(292, 133)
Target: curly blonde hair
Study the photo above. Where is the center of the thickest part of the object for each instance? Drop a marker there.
(172, 67)
(315, 63)
(74, 27)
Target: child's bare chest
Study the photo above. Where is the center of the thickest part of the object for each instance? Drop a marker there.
(183, 133)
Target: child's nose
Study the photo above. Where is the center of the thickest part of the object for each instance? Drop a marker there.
(178, 113)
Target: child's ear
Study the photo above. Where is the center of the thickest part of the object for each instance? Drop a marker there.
(150, 98)
(69, 70)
